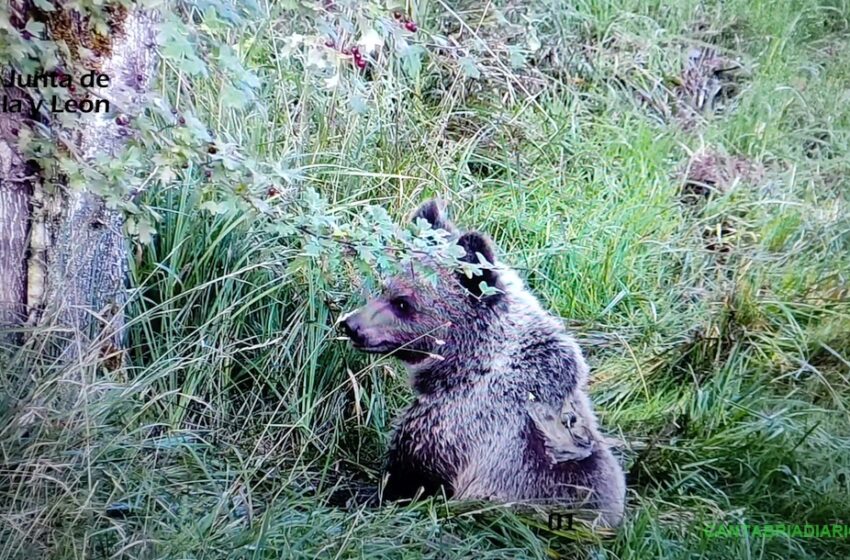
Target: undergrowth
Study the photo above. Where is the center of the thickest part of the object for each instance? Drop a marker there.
(712, 304)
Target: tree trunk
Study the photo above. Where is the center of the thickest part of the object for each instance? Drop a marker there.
(14, 220)
(63, 254)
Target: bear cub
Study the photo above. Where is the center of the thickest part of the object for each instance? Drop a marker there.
(500, 409)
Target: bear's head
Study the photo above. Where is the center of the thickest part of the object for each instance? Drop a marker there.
(418, 319)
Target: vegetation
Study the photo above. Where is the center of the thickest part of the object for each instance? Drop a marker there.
(670, 177)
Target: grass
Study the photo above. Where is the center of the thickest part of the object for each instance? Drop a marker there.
(716, 325)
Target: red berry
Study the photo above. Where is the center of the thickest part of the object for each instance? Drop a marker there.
(329, 44)
(411, 26)
(355, 50)
(360, 63)
(397, 14)
(122, 120)
(72, 88)
(182, 121)
(272, 192)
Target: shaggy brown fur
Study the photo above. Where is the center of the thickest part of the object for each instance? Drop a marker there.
(501, 410)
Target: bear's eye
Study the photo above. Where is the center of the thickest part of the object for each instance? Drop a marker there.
(402, 304)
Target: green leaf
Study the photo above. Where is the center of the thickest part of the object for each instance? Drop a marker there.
(285, 229)
(44, 5)
(175, 45)
(516, 56)
(411, 60)
(470, 70)
(456, 251)
(194, 66)
(430, 275)
(233, 98)
(172, 35)
(358, 104)
(212, 21)
(35, 28)
(470, 270)
(145, 230)
(382, 262)
(197, 128)
(313, 248)
(487, 290)
(212, 207)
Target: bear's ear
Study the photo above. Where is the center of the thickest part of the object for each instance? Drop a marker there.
(475, 243)
(434, 212)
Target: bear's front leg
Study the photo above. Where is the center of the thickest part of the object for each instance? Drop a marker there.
(413, 470)
(406, 482)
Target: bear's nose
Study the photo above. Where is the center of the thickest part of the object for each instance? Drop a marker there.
(350, 330)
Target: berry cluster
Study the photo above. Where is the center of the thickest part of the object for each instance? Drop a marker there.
(408, 23)
(354, 51)
(358, 57)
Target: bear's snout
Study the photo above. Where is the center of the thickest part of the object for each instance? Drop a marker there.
(352, 331)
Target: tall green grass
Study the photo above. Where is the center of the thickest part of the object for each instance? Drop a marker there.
(717, 332)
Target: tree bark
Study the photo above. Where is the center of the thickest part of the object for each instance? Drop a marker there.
(15, 191)
(63, 254)
(87, 259)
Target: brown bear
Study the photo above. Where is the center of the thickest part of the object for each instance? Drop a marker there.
(500, 409)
